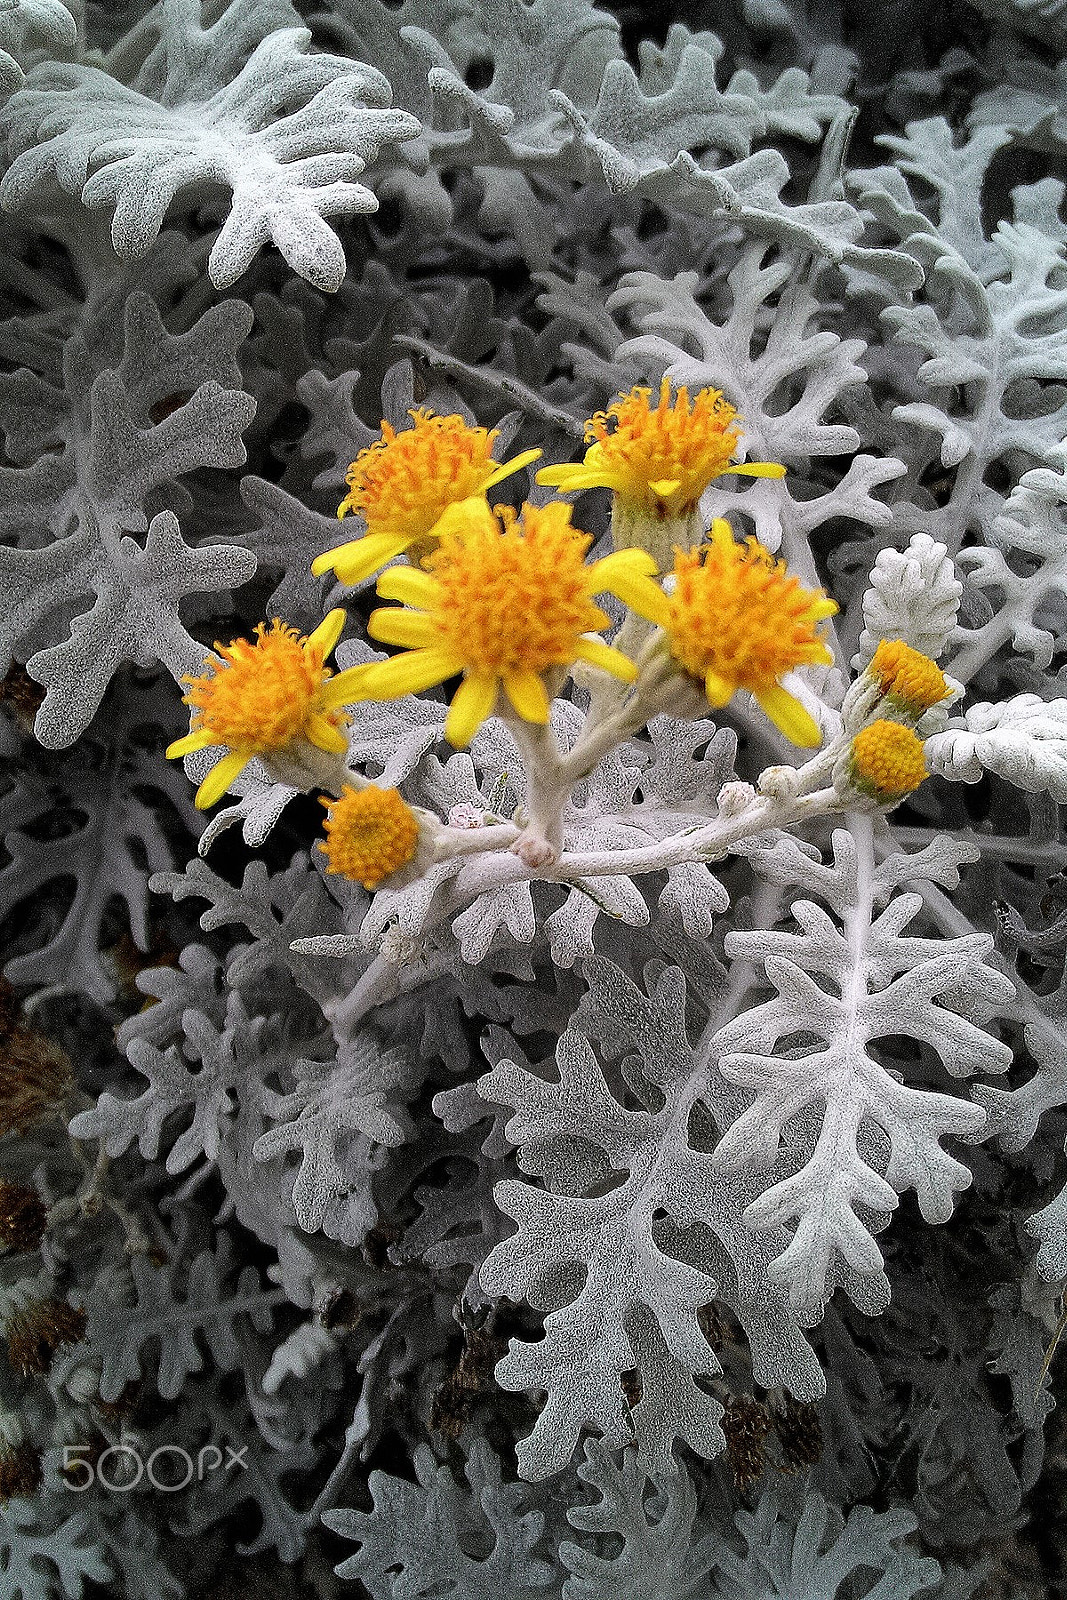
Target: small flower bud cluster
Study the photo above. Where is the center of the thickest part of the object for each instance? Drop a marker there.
(884, 760)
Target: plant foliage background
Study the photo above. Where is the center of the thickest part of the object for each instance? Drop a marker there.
(690, 1235)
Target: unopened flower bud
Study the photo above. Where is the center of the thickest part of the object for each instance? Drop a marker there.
(83, 1383)
(884, 762)
(371, 833)
(735, 798)
(400, 948)
(779, 783)
(910, 681)
(466, 815)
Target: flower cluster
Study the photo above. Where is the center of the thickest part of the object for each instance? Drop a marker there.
(504, 604)
(35, 1076)
(897, 689)
(37, 1330)
(736, 619)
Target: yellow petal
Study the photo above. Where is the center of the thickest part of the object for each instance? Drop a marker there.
(527, 694)
(219, 779)
(328, 631)
(758, 469)
(409, 673)
(329, 558)
(360, 558)
(463, 514)
(409, 585)
(607, 658)
(637, 563)
(192, 741)
(394, 625)
(789, 717)
(665, 487)
(570, 479)
(326, 735)
(719, 690)
(345, 689)
(472, 702)
(506, 468)
(634, 590)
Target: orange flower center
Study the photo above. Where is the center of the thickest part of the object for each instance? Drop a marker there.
(887, 761)
(265, 694)
(736, 613)
(370, 833)
(514, 599)
(402, 483)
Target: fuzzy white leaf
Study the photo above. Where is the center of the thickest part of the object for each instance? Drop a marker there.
(914, 596)
(1023, 741)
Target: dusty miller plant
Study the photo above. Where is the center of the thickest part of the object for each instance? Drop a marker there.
(623, 1154)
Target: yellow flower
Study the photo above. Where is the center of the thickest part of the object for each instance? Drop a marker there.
(267, 695)
(503, 602)
(910, 681)
(736, 619)
(370, 834)
(402, 484)
(886, 761)
(660, 458)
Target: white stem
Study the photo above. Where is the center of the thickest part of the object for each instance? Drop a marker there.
(718, 838)
(547, 791)
(377, 985)
(473, 841)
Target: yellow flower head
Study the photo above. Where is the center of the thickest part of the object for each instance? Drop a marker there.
(737, 619)
(886, 761)
(659, 457)
(504, 600)
(370, 834)
(909, 680)
(265, 695)
(403, 483)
